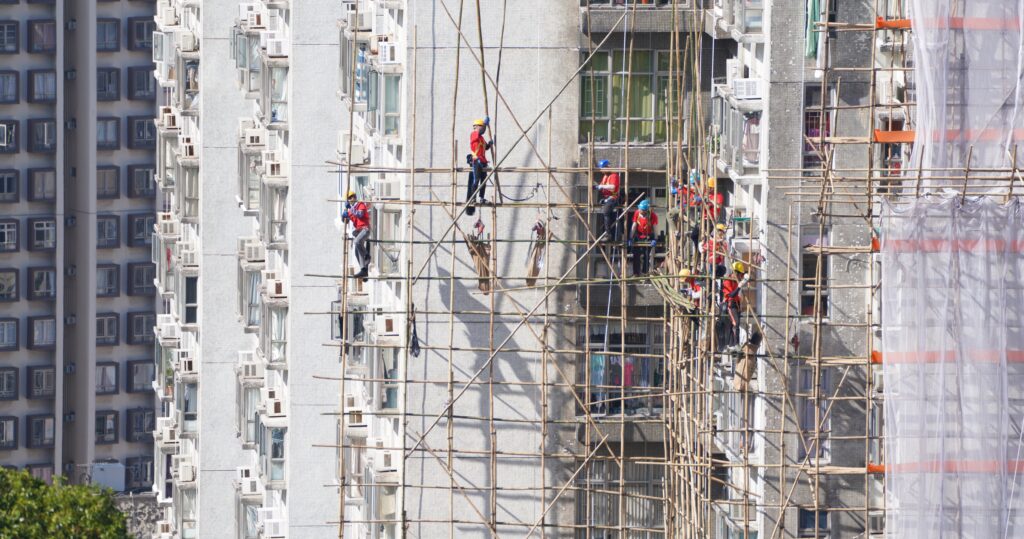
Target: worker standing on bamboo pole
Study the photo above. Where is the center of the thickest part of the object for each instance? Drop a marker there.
(608, 197)
(478, 147)
(358, 213)
(714, 250)
(732, 288)
(641, 237)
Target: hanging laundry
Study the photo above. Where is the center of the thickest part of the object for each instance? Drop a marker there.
(535, 262)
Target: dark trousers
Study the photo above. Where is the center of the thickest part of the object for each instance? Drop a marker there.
(732, 313)
(608, 211)
(361, 246)
(476, 179)
(642, 256)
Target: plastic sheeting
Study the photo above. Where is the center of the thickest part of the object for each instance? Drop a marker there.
(967, 64)
(953, 365)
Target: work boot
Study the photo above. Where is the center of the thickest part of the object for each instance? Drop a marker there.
(363, 274)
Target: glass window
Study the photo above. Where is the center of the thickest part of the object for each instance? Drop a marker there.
(8, 37)
(106, 329)
(141, 422)
(9, 284)
(42, 382)
(140, 281)
(279, 94)
(42, 184)
(107, 280)
(8, 383)
(106, 378)
(140, 181)
(43, 234)
(141, 83)
(108, 33)
(140, 226)
(8, 433)
(9, 185)
(813, 409)
(140, 32)
(604, 110)
(277, 454)
(813, 523)
(140, 375)
(42, 135)
(107, 233)
(108, 136)
(42, 332)
(42, 283)
(108, 184)
(8, 136)
(8, 86)
(106, 426)
(138, 473)
(42, 86)
(140, 327)
(42, 36)
(810, 241)
(8, 333)
(8, 235)
(392, 104)
(191, 300)
(108, 84)
(142, 131)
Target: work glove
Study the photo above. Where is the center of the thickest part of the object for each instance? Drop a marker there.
(491, 143)
(697, 200)
(344, 215)
(654, 242)
(348, 205)
(629, 243)
(487, 121)
(674, 191)
(597, 187)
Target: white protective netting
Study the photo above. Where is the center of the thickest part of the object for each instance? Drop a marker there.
(968, 61)
(953, 364)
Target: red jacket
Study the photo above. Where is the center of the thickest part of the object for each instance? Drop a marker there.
(645, 225)
(730, 286)
(610, 179)
(360, 215)
(478, 146)
(713, 251)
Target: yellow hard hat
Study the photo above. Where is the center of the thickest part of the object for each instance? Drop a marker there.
(711, 182)
(720, 226)
(478, 122)
(684, 273)
(351, 194)
(739, 267)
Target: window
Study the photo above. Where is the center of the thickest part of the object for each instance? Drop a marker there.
(42, 472)
(8, 185)
(8, 333)
(140, 228)
(43, 234)
(272, 452)
(814, 412)
(140, 33)
(140, 327)
(42, 36)
(138, 473)
(106, 426)
(140, 375)
(8, 433)
(106, 329)
(42, 283)
(8, 37)
(142, 132)
(8, 86)
(107, 233)
(108, 134)
(108, 280)
(40, 430)
(598, 510)
(191, 300)
(42, 382)
(42, 135)
(108, 182)
(42, 184)
(140, 279)
(8, 383)
(278, 94)
(140, 181)
(813, 523)
(140, 424)
(816, 126)
(392, 104)
(108, 35)
(106, 378)
(8, 235)
(811, 241)
(8, 136)
(603, 108)
(108, 84)
(42, 332)
(9, 284)
(42, 86)
(141, 83)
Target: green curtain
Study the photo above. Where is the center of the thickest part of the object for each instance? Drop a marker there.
(811, 37)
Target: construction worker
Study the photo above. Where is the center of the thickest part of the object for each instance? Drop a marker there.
(732, 288)
(641, 237)
(714, 250)
(713, 201)
(478, 147)
(690, 288)
(608, 197)
(358, 213)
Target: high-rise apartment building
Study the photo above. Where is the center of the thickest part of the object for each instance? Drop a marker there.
(76, 216)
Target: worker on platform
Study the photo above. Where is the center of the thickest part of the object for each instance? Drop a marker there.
(642, 238)
(608, 197)
(478, 147)
(358, 213)
(691, 289)
(714, 250)
(732, 288)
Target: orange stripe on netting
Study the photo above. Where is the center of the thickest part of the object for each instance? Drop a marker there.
(952, 466)
(892, 24)
(951, 23)
(894, 137)
(945, 356)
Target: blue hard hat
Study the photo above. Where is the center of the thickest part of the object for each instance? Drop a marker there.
(604, 163)
(644, 205)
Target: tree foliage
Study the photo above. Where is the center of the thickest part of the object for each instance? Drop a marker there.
(31, 509)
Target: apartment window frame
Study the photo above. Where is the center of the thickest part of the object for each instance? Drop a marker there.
(104, 125)
(391, 105)
(9, 235)
(143, 334)
(140, 39)
(39, 89)
(108, 231)
(109, 187)
(107, 430)
(39, 326)
(111, 90)
(140, 183)
(813, 523)
(41, 382)
(605, 104)
(42, 184)
(6, 76)
(104, 31)
(36, 422)
(10, 186)
(8, 433)
(8, 383)
(42, 135)
(805, 407)
(9, 40)
(9, 285)
(139, 424)
(136, 368)
(42, 234)
(12, 129)
(138, 473)
(9, 327)
(32, 36)
(114, 270)
(141, 133)
(140, 229)
(141, 92)
(42, 283)
(136, 271)
(110, 388)
(107, 329)
(810, 237)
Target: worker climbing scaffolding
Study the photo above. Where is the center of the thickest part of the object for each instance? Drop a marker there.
(358, 214)
(608, 198)
(732, 288)
(477, 160)
(642, 237)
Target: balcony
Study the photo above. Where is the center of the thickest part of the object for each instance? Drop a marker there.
(165, 436)
(736, 124)
(740, 20)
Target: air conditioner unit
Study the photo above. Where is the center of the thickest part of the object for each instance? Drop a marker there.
(746, 88)
(167, 15)
(186, 467)
(733, 70)
(387, 503)
(255, 251)
(358, 22)
(187, 41)
(247, 481)
(386, 324)
(244, 9)
(273, 402)
(358, 153)
(256, 19)
(274, 286)
(277, 48)
(386, 460)
(186, 363)
(387, 190)
(387, 52)
(272, 163)
(164, 527)
(275, 528)
(255, 138)
(169, 119)
(189, 257)
(166, 432)
(251, 370)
